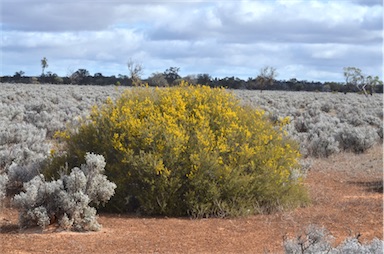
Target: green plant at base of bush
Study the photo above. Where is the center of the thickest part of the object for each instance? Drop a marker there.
(188, 150)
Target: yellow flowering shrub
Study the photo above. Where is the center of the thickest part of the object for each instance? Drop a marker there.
(189, 150)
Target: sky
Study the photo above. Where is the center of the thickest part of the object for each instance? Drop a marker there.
(305, 39)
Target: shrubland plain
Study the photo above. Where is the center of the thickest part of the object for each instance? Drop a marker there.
(274, 140)
(323, 123)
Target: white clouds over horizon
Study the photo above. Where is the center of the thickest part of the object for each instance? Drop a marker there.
(309, 40)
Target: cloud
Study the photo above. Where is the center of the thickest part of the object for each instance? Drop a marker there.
(315, 39)
(368, 2)
(248, 21)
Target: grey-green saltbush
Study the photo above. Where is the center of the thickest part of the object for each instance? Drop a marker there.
(3, 187)
(18, 175)
(318, 240)
(357, 139)
(315, 240)
(68, 200)
(319, 118)
(22, 143)
(322, 145)
(30, 115)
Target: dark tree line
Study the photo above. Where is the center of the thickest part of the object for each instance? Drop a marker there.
(171, 77)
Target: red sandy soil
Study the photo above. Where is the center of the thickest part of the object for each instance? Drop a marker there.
(347, 199)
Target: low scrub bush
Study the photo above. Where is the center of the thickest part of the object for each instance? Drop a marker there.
(318, 240)
(319, 118)
(18, 175)
(3, 187)
(188, 151)
(322, 145)
(22, 144)
(67, 201)
(321, 141)
(358, 139)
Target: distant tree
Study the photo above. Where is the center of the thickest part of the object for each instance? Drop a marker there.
(291, 83)
(354, 76)
(53, 78)
(379, 88)
(204, 79)
(191, 79)
(231, 83)
(19, 74)
(80, 77)
(334, 86)
(44, 65)
(250, 84)
(98, 79)
(266, 77)
(121, 76)
(372, 82)
(172, 74)
(135, 71)
(157, 79)
(299, 86)
(58, 80)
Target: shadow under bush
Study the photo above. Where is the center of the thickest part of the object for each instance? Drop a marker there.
(187, 151)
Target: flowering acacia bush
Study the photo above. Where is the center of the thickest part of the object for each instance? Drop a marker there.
(189, 150)
(68, 200)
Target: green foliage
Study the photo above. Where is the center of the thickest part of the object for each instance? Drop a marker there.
(188, 151)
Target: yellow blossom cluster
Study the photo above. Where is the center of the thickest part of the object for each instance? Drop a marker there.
(189, 150)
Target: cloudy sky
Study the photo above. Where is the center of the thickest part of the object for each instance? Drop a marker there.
(303, 39)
